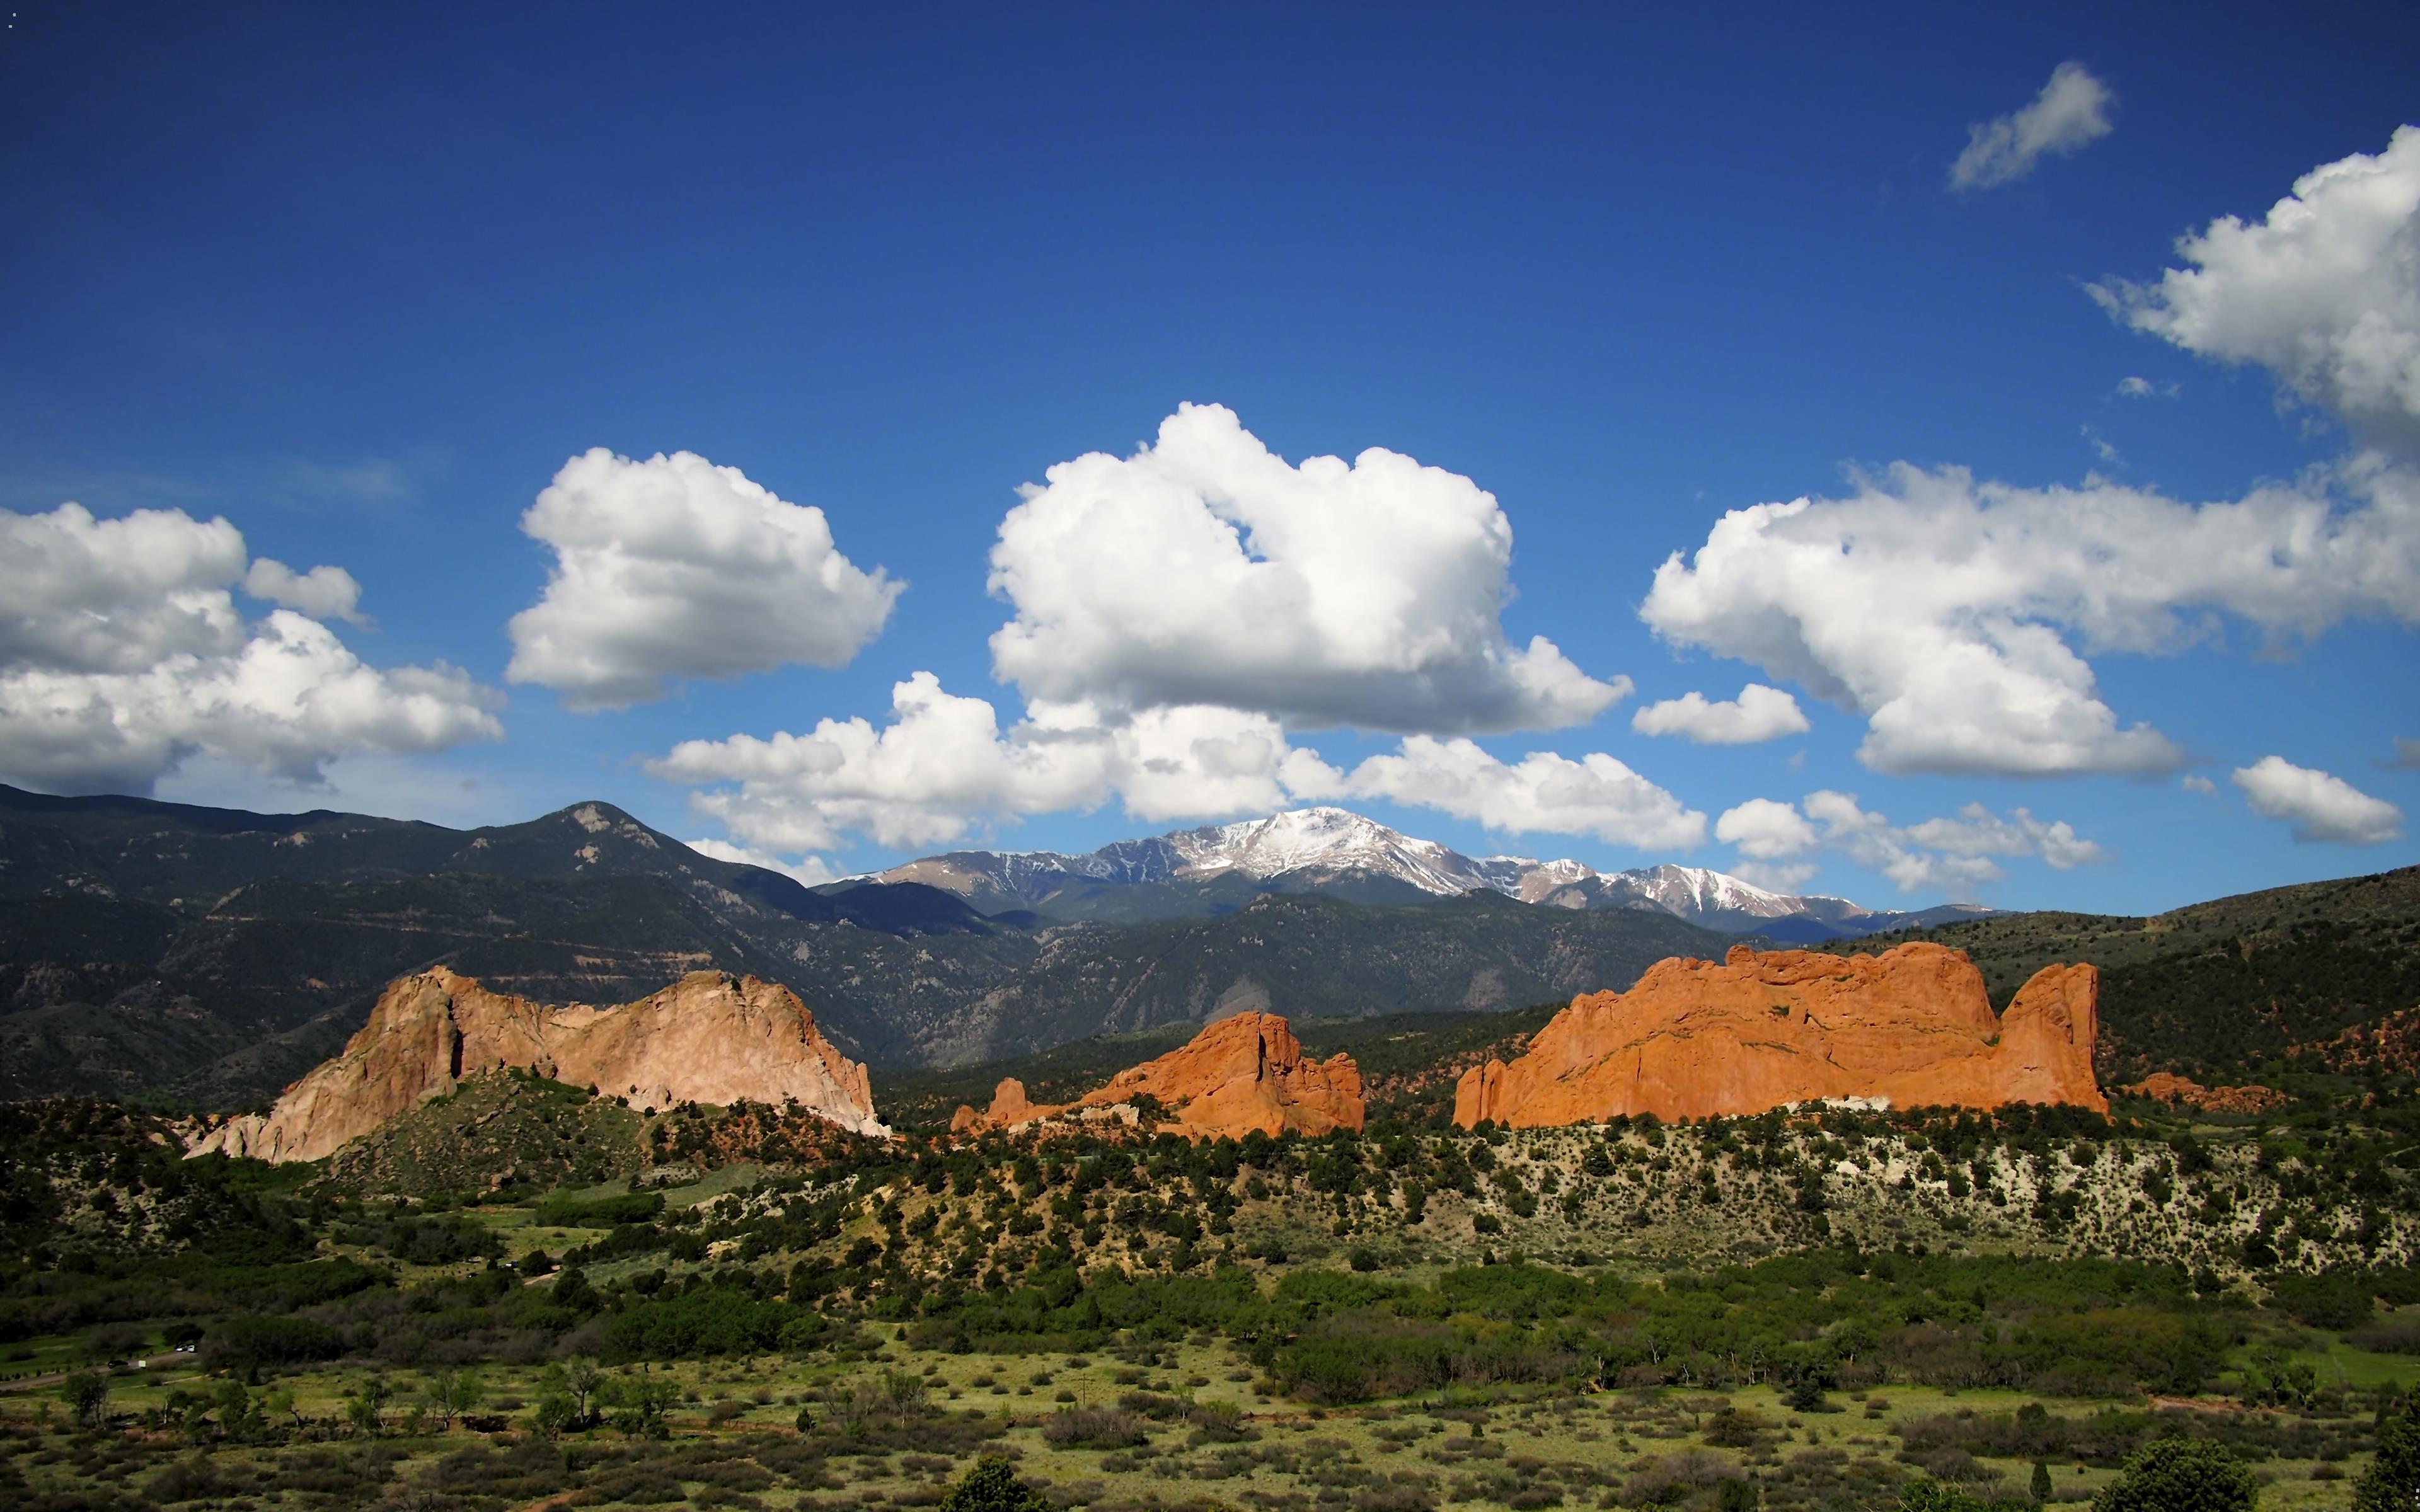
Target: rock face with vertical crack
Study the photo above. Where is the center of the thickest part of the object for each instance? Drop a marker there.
(708, 1037)
(1910, 1028)
(1239, 1075)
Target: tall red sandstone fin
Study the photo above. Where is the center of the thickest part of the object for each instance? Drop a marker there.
(1474, 1094)
(1762, 1029)
(708, 1037)
(2047, 1038)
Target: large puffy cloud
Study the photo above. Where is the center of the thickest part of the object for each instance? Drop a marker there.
(1543, 792)
(1760, 712)
(123, 653)
(925, 779)
(1767, 834)
(674, 567)
(1200, 761)
(2324, 291)
(2070, 113)
(1763, 830)
(1942, 607)
(943, 766)
(2319, 806)
(1956, 854)
(1203, 570)
(80, 595)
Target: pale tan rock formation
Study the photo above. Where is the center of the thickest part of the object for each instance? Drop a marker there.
(1238, 1074)
(1693, 1039)
(708, 1037)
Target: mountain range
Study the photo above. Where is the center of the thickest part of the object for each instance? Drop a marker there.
(210, 956)
(205, 957)
(1337, 852)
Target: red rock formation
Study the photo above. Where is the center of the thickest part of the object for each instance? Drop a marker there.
(1238, 1074)
(708, 1037)
(1009, 1108)
(2167, 1086)
(1911, 1028)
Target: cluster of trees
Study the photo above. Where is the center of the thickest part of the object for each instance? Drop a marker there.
(1002, 1245)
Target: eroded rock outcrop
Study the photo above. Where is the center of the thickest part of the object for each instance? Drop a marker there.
(1238, 1074)
(1695, 1039)
(2183, 1092)
(708, 1037)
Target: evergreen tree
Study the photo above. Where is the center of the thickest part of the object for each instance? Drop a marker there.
(2392, 1482)
(992, 1486)
(2182, 1475)
(87, 1397)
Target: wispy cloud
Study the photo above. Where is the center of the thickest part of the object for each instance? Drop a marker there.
(2070, 113)
(296, 483)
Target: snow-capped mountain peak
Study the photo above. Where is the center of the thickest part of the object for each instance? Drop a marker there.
(1325, 848)
(1322, 839)
(1690, 889)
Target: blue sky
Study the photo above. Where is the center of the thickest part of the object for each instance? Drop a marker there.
(363, 285)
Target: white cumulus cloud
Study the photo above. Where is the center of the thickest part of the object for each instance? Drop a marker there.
(80, 595)
(1543, 792)
(323, 593)
(1943, 608)
(1977, 831)
(123, 655)
(925, 778)
(1760, 712)
(811, 870)
(2318, 806)
(943, 766)
(1955, 855)
(1765, 831)
(1205, 570)
(1200, 761)
(674, 567)
(2070, 113)
(2324, 291)
(2199, 785)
